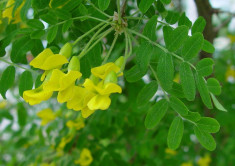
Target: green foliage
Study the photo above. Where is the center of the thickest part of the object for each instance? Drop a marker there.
(103, 4)
(178, 106)
(7, 80)
(26, 82)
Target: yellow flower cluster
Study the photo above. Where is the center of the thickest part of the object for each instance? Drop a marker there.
(85, 158)
(93, 94)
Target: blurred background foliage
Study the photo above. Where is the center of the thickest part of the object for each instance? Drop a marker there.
(116, 136)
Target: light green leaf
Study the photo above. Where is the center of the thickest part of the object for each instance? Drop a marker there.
(178, 36)
(184, 20)
(165, 71)
(52, 34)
(192, 46)
(217, 104)
(203, 90)
(208, 125)
(146, 93)
(187, 81)
(208, 47)
(205, 67)
(178, 106)
(26, 82)
(145, 5)
(175, 133)
(7, 80)
(199, 25)
(103, 4)
(214, 86)
(155, 114)
(193, 116)
(205, 139)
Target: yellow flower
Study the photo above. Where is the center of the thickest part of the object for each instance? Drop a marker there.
(104, 70)
(47, 164)
(36, 96)
(8, 12)
(101, 100)
(77, 124)
(85, 158)
(187, 164)
(46, 115)
(204, 161)
(64, 83)
(230, 73)
(79, 101)
(3, 104)
(47, 60)
(170, 151)
(64, 141)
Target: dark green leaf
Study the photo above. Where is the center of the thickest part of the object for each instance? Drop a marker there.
(166, 1)
(67, 25)
(52, 32)
(40, 4)
(7, 80)
(178, 106)
(187, 81)
(175, 133)
(57, 3)
(193, 116)
(145, 5)
(134, 74)
(192, 46)
(205, 139)
(38, 81)
(172, 17)
(26, 82)
(50, 18)
(199, 25)
(24, 10)
(103, 4)
(208, 47)
(177, 90)
(203, 90)
(94, 56)
(165, 71)
(150, 29)
(184, 20)
(37, 34)
(205, 67)
(208, 125)
(143, 55)
(155, 114)
(62, 14)
(35, 23)
(22, 114)
(167, 33)
(214, 86)
(146, 93)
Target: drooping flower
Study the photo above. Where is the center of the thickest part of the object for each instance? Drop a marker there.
(102, 90)
(85, 158)
(47, 115)
(77, 123)
(36, 96)
(47, 60)
(104, 70)
(204, 161)
(170, 151)
(63, 83)
(8, 12)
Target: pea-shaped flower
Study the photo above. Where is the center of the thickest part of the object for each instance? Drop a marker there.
(46, 115)
(85, 158)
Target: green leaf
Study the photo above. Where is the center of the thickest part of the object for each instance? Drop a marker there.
(205, 67)
(67, 25)
(22, 114)
(143, 55)
(192, 46)
(155, 114)
(199, 25)
(24, 10)
(37, 34)
(205, 139)
(177, 38)
(20, 48)
(160, 7)
(150, 12)
(177, 90)
(214, 86)
(203, 90)
(208, 47)
(145, 5)
(103, 4)
(165, 71)
(178, 106)
(208, 125)
(50, 18)
(38, 81)
(187, 81)
(150, 29)
(146, 93)
(166, 1)
(26, 82)
(57, 3)
(62, 14)
(175, 133)
(40, 4)
(193, 116)
(7, 80)
(172, 17)
(184, 20)
(52, 32)
(134, 74)
(94, 56)
(217, 104)
(167, 33)
(35, 23)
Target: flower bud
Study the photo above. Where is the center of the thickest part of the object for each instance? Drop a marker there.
(94, 79)
(74, 64)
(66, 50)
(111, 78)
(119, 62)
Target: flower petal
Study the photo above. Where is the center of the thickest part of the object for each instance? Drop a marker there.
(111, 88)
(69, 79)
(99, 102)
(40, 59)
(54, 82)
(86, 112)
(54, 61)
(66, 94)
